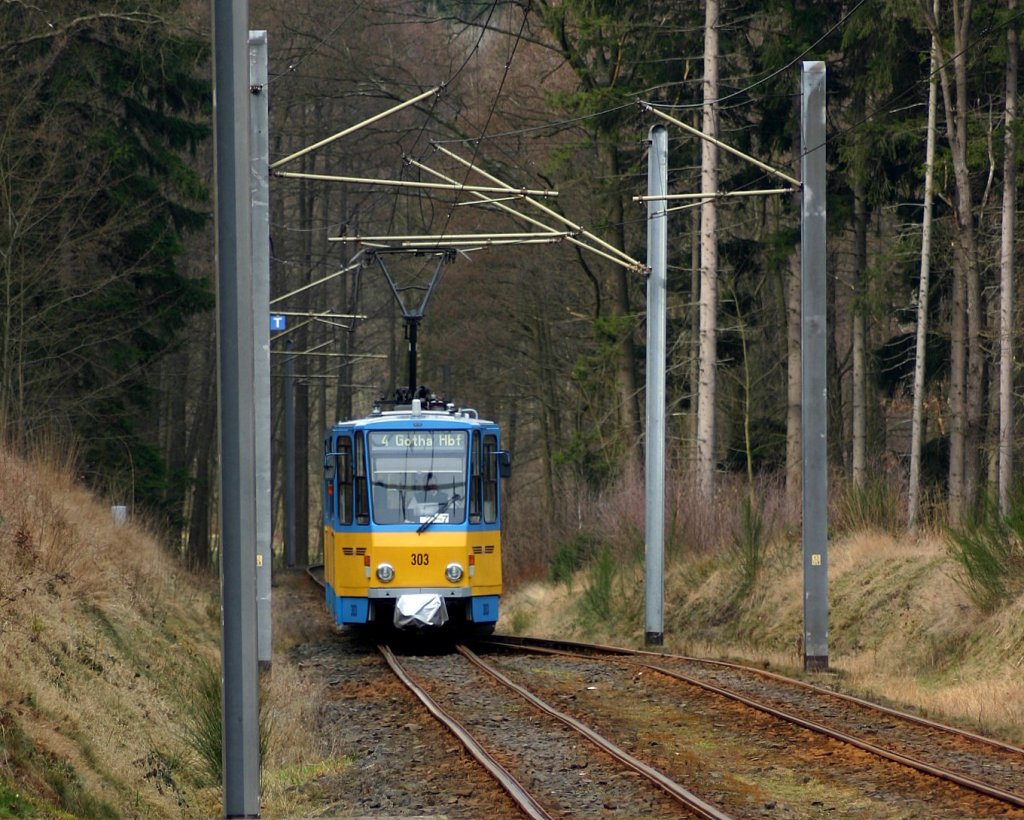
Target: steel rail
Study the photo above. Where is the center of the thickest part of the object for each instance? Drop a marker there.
(631, 656)
(764, 673)
(888, 754)
(684, 796)
(515, 789)
(312, 571)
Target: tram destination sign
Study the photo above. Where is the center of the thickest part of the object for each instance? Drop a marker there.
(419, 440)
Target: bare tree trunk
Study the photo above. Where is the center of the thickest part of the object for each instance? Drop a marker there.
(966, 366)
(1006, 268)
(303, 341)
(348, 289)
(836, 367)
(991, 454)
(175, 390)
(694, 317)
(975, 392)
(794, 472)
(708, 263)
(794, 384)
(693, 320)
(550, 418)
(629, 400)
(345, 292)
(860, 261)
(916, 430)
(302, 510)
(957, 389)
(197, 550)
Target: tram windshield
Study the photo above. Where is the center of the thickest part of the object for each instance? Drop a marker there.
(418, 476)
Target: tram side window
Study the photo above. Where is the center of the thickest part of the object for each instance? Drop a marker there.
(362, 496)
(330, 482)
(343, 456)
(475, 488)
(490, 479)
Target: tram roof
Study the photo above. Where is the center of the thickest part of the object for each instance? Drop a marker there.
(454, 417)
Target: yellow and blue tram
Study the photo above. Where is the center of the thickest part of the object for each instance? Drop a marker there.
(412, 517)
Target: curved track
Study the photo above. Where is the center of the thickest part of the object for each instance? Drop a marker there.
(969, 760)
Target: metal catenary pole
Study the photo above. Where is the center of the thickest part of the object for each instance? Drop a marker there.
(237, 423)
(813, 384)
(657, 252)
(657, 217)
(260, 184)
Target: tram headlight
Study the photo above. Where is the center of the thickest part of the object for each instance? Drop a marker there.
(385, 573)
(453, 572)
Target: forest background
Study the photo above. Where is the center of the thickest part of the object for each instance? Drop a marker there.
(107, 332)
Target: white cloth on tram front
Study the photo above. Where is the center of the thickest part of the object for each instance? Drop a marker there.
(420, 609)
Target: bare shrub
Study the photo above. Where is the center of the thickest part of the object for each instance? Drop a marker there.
(525, 543)
(616, 516)
(597, 602)
(536, 529)
(40, 523)
(586, 522)
(703, 529)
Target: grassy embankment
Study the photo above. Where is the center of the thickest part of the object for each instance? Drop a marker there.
(105, 644)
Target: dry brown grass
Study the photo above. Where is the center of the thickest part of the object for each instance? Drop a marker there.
(101, 634)
(900, 627)
(96, 624)
(296, 757)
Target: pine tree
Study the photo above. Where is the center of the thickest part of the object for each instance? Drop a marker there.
(101, 111)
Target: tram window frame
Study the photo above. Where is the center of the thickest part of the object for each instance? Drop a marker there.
(343, 507)
(490, 479)
(475, 479)
(361, 486)
(415, 473)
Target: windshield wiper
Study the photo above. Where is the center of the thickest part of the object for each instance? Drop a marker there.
(440, 509)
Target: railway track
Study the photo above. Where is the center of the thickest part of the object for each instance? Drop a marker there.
(743, 741)
(970, 761)
(571, 781)
(579, 784)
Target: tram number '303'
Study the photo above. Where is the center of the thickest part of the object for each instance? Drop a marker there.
(420, 559)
